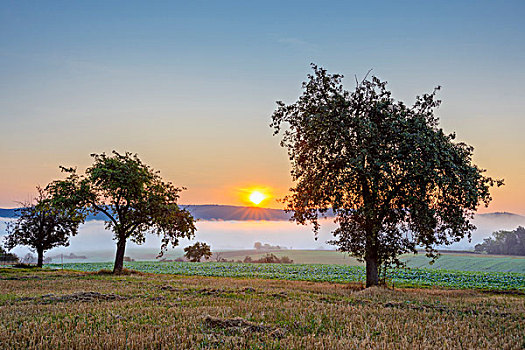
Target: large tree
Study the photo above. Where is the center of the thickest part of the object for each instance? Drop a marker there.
(394, 180)
(133, 198)
(41, 225)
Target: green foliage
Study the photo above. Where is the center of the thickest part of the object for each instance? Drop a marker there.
(43, 225)
(504, 242)
(196, 252)
(392, 177)
(133, 197)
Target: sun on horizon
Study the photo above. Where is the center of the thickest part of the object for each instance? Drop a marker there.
(257, 197)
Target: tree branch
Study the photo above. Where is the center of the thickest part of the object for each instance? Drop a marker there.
(101, 209)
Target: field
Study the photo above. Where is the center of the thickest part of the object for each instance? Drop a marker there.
(470, 262)
(325, 273)
(52, 309)
(299, 256)
(447, 261)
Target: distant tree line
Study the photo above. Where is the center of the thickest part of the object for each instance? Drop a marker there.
(70, 256)
(269, 259)
(7, 258)
(504, 242)
(266, 246)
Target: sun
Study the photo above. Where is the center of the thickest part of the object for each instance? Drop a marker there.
(257, 197)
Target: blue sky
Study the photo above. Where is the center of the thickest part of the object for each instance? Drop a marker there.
(191, 86)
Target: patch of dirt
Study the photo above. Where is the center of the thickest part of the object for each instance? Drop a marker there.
(75, 297)
(281, 295)
(124, 272)
(169, 288)
(211, 291)
(242, 325)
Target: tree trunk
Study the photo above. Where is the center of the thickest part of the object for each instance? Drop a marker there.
(40, 253)
(119, 258)
(372, 276)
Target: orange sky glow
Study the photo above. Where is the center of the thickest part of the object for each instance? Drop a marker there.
(225, 185)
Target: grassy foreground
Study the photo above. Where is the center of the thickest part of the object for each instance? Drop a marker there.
(46, 309)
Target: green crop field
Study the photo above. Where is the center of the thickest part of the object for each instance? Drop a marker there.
(447, 261)
(324, 273)
(469, 262)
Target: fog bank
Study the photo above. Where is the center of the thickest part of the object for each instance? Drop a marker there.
(98, 244)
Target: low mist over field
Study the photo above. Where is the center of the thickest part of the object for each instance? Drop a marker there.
(217, 228)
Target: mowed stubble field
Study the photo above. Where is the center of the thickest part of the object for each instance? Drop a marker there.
(70, 309)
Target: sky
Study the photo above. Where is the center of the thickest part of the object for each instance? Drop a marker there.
(191, 86)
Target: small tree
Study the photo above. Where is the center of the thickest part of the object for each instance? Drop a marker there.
(28, 259)
(196, 252)
(394, 180)
(132, 196)
(42, 226)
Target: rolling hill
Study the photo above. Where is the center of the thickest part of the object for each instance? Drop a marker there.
(240, 213)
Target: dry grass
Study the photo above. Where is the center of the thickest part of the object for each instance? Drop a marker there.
(73, 310)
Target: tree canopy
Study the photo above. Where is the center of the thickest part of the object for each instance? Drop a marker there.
(394, 180)
(42, 225)
(131, 195)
